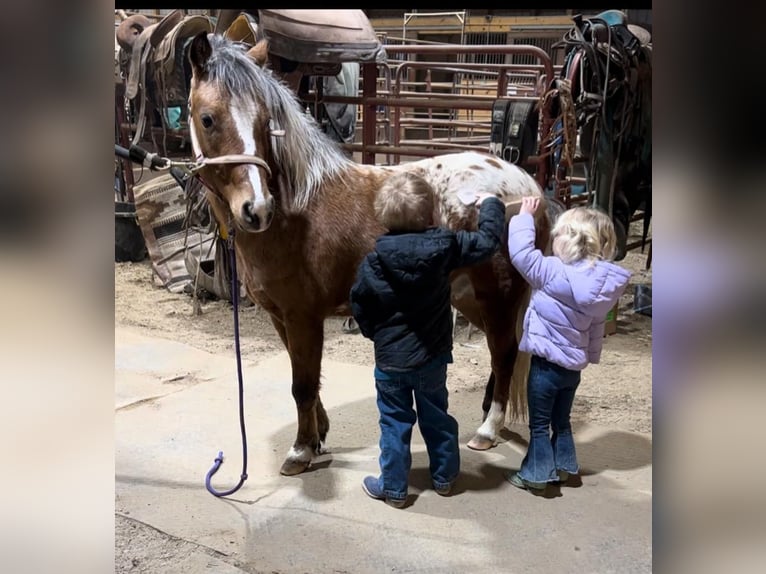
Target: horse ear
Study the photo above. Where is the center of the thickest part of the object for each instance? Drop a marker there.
(199, 53)
(259, 52)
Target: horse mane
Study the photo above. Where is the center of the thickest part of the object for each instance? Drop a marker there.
(305, 155)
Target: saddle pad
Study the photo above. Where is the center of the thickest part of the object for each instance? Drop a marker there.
(161, 208)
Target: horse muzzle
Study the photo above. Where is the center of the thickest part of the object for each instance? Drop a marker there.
(256, 217)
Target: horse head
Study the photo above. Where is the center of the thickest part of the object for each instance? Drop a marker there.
(231, 129)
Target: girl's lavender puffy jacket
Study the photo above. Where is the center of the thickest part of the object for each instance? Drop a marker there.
(565, 319)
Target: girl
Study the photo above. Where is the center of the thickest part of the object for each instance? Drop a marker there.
(563, 328)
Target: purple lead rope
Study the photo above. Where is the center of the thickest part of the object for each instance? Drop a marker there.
(219, 458)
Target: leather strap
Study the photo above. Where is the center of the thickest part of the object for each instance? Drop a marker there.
(202, 161)
(235, 158)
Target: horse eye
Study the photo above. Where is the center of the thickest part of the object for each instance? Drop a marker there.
(207, 120)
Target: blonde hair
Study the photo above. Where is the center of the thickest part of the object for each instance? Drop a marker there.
(405, 202)
(584, 233)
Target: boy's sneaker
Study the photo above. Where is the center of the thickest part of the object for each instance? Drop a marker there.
(371, 487)
(443, 490)
(519, 482)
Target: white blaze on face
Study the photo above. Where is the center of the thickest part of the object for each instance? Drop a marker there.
(244, 119)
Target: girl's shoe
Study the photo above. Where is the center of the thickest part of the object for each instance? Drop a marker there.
(563, 475)
(371, 487)
(519, 482)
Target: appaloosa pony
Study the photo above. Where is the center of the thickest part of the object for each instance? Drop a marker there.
(303, 216)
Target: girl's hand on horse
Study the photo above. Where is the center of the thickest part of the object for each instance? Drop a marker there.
(529, 205)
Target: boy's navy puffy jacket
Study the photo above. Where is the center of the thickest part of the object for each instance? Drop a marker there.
(401, 296)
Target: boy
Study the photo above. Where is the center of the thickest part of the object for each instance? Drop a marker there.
(401, 300)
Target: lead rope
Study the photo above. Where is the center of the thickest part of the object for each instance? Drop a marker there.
(235, 303)
(200, 161)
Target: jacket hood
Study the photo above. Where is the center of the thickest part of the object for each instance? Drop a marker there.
(596, 288)
(405, 262)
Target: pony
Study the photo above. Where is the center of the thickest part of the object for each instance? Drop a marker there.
(303, 219)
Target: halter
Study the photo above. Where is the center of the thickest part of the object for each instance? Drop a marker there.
(237, 158)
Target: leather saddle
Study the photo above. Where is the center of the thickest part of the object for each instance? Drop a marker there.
(243, 29)
(608, 26)
(321, 36)
(170, 61)
(129, 29)
(156, 67)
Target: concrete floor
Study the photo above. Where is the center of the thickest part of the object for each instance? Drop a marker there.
(177, 407)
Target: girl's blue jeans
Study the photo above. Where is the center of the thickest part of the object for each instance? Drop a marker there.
(396, 391)
(550, 394)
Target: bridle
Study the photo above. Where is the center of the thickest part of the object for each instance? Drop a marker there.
(201, 161)
(237, 158)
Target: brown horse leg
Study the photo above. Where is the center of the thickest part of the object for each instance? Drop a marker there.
(488, 394)
(279, 326)
(323, 422)
(502, 312)
(494, 418)
(275, 314)
(305, 338)
(463, 297)
(499, 307)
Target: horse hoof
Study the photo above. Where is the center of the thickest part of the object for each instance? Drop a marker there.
(293, 467)
(479, 442)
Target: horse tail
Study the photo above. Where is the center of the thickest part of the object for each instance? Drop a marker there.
(518, 395)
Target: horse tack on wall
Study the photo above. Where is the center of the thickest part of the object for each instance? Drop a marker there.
(156, 68)
(315, 36)
(304, 224)
(608, 77)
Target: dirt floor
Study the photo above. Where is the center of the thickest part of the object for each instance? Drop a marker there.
(616, 393)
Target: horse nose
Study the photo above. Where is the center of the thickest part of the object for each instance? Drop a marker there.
(249, 214)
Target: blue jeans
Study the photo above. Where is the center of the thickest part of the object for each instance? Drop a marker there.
(550, 394)
(439, 429)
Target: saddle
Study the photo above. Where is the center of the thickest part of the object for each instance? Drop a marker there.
(129, 29)
(142, 46)
(169, 60)
(156, 67)
(317, 36)
(607, 27)
(243, 29)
